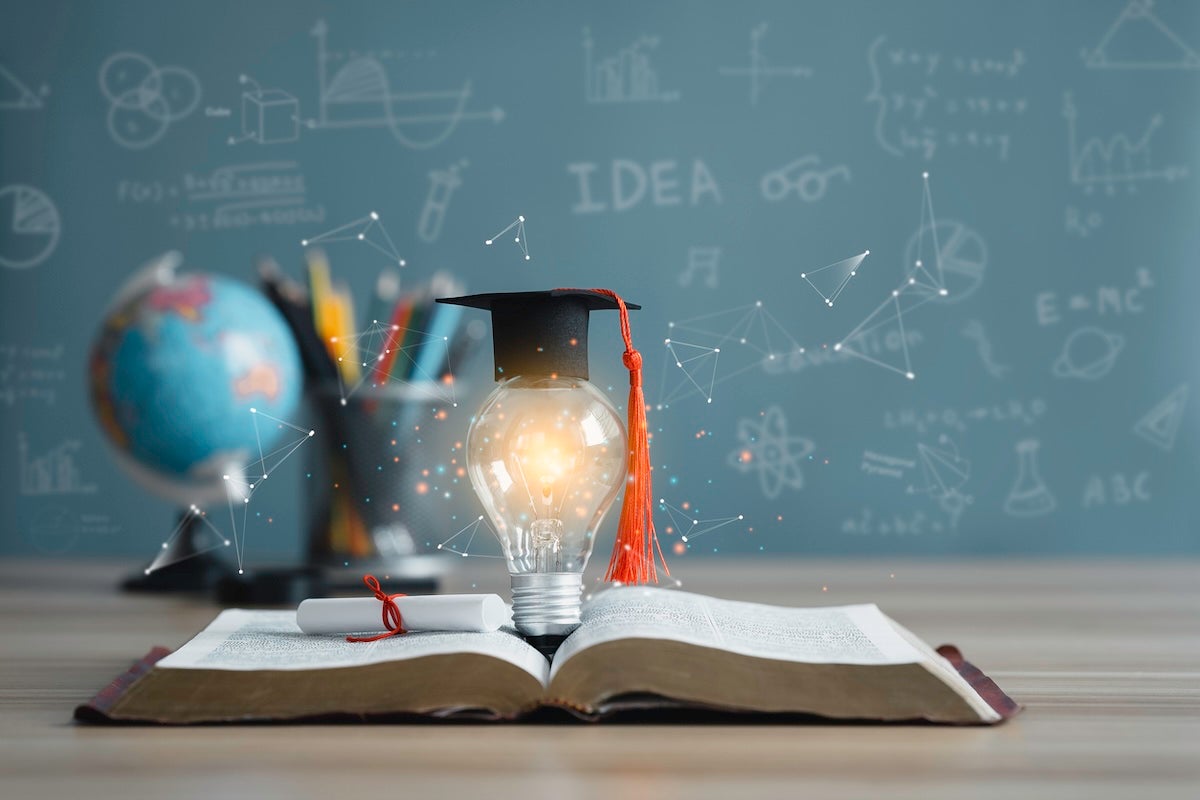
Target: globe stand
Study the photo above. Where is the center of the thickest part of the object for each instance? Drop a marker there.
(278, 586)
(188, 569)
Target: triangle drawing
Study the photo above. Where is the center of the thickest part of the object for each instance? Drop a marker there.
(942, 468)
(15, 95)
(830, 280)
(1138, 39)
(1160, 425)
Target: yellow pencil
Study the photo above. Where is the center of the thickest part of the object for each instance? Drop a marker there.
(320, 288)
(347, 348)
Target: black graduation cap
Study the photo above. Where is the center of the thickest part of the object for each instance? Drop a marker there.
(540, 333)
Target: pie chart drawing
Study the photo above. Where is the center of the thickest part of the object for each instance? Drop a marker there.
(949, 252)
(29, 226)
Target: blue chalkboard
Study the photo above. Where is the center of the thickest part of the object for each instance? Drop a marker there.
(917, 277)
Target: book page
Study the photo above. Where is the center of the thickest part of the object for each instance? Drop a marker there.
(858, 634)
(270, 640)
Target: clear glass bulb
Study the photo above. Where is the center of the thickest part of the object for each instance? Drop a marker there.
(546, 456)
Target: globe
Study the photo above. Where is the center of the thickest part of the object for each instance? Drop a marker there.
(191, 375)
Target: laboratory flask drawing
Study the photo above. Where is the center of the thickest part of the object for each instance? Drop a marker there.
(1029, 496)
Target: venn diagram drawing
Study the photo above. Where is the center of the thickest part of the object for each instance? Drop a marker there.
(145, 99)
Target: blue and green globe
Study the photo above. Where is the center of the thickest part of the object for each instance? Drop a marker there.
(182, 372)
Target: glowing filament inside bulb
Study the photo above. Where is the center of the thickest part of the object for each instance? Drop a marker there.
(545, 456)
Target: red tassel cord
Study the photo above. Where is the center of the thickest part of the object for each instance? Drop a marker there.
(634, 553)
(391, 612)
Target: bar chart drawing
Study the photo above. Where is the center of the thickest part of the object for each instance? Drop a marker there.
(54, 472)
(627, 76)
(1117, 161)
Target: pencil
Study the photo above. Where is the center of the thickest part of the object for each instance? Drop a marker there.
(320, 289)
(293, 304)
(401, 315)
(344, 344)
(443, 322)
(422, 309)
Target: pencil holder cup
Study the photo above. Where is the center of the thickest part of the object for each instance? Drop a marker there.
(373, 506)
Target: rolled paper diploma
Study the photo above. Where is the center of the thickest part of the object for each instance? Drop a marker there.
(435, 612)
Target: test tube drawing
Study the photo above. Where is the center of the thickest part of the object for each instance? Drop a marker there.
(442, 183)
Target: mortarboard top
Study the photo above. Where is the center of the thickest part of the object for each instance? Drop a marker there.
(538, 334)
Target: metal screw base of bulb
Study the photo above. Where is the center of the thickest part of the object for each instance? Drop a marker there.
(547, 603)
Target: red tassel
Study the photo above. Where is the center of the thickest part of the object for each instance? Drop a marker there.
(634, 553)
(391, 612)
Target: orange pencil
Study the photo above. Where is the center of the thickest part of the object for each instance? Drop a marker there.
(401, 315)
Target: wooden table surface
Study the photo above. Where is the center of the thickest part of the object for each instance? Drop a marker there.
(1105, 656)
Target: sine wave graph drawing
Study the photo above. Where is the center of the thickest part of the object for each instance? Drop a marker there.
(360, 95)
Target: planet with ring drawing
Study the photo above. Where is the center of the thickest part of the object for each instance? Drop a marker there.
(1088, 354)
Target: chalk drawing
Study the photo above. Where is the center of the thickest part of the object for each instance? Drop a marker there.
(144, 98)
(704, 262)
(359, 94)
(1138, 39)
(29, 224)
(627, 76)
(16, 95)
(758, 72)
(1116, 161)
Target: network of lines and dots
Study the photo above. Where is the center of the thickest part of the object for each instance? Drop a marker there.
(518, 236)
(389, 354)
(921, 285)
(369, 230)
(690, 527)
(694, 346)
(749, 329)
(240, 486)
(834, 278)
(461, 542)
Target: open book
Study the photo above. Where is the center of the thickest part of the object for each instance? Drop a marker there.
(637, 648)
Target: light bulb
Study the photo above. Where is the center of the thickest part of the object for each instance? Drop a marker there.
(547, 456)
